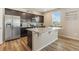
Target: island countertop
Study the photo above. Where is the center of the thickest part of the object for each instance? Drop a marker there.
(40, 30)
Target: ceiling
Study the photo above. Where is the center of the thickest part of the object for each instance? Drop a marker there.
(40, 9)
(71, 9)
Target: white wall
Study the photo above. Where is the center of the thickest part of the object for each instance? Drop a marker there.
(1, 24)
(70, 28)
(48, 16)
(70, 25)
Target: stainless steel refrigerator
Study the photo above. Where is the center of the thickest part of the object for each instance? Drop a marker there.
(12, 27)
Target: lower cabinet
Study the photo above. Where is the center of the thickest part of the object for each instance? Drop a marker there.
(41, 40)
(23, 32)
(29, 35)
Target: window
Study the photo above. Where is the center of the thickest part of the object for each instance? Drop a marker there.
(56, 18)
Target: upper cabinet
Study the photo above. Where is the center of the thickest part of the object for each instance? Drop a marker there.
(38, 19)
(27, 19)
(26, 10)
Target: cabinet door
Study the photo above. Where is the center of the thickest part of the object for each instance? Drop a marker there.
(35, 41)
(48, 38)
(44, 39)
(41, 19)
(29, 34)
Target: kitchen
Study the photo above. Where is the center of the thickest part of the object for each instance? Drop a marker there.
(18, 25)
(39, 29)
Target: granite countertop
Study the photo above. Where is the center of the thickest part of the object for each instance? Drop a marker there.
(41, 30)
(34, 27)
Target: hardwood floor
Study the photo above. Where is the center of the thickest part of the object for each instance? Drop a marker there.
(15, 45)
(63, 44)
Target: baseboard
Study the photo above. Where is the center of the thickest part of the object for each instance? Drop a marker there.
(68, 37)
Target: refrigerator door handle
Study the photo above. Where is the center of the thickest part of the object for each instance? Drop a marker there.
(8, 25)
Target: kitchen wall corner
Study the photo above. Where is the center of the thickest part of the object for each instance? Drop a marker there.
(2, 10)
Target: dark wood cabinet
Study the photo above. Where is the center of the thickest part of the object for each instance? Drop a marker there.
(23, 15)
(29, 35)
(23, 32)
(41, 19)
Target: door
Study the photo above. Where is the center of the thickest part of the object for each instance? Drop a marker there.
(16, 27)
(8, 27)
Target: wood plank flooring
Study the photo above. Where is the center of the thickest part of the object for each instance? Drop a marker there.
(15, 45)
(63, 44)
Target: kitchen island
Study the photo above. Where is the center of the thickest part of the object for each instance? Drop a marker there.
(42, 37)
